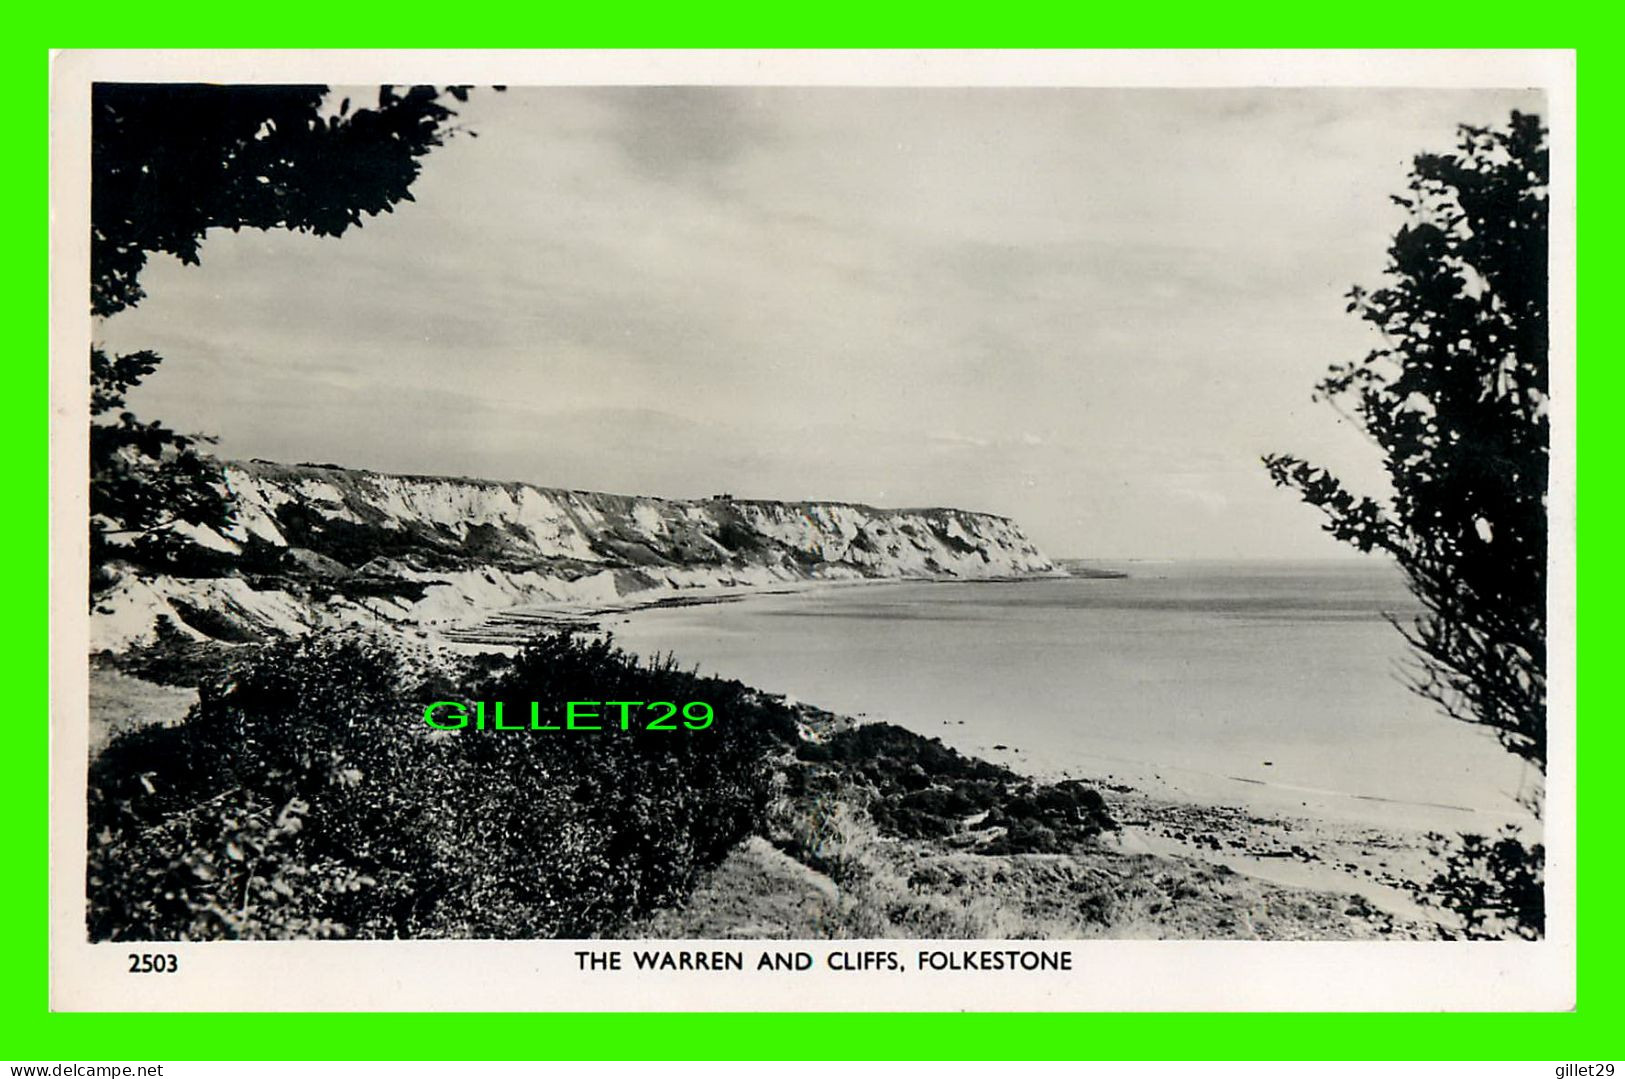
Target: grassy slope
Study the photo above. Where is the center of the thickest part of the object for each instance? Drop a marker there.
(915, 889)
(120, 702)
(758, 893)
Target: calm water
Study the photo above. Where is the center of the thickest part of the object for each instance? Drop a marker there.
(1277, 684)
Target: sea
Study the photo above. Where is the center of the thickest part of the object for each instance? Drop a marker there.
(1276, 686)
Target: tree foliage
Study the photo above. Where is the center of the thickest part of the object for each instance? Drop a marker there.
(1457, 398)
(170, 162)
(144, 477)
(1496, 885)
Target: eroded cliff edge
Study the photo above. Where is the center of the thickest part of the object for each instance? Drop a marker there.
(315, 546)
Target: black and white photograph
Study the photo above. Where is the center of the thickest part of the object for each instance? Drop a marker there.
(765, 512)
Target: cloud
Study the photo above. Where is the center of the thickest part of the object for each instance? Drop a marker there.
(1025, 301)
(672, 133)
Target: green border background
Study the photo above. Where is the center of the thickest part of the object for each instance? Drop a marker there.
(29, 1031)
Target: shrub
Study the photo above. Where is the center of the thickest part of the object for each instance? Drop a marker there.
(1496, 886)
(304, 796)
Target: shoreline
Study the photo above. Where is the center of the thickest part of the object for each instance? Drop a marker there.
(1177, 782)
(1259, 796)
(507, 628)
(1294, 837)
(840, 860)
(1386, 869)
(1375, 847)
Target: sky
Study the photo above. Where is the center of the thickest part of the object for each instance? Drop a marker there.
(1089, 310)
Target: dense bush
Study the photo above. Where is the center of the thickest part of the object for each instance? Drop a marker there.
(305, 796)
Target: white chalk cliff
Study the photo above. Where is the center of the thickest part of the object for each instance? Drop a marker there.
(315, 546)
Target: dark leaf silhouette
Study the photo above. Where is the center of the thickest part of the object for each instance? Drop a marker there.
(170, 162)
(1457, 399)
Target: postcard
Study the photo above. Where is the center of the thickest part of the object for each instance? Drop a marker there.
(837, 531)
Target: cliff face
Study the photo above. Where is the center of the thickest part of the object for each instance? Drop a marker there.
(316, 546)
